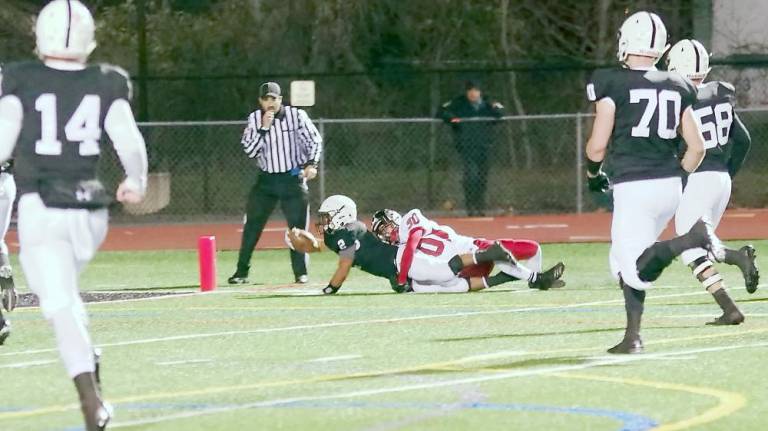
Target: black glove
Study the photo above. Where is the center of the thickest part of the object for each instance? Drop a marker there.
(330, 290)
(599, 183)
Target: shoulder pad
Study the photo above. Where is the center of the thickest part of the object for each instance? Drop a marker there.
(726, 88)
(122, 77)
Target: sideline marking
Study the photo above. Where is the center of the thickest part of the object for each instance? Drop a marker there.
(729, 402)
(353, 323)
(538, 226)
(431, 385)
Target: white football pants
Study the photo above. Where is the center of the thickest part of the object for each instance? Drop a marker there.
(705, 197)
(641, 211)
(56, 245)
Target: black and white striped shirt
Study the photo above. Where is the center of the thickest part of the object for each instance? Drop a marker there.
(292, 141)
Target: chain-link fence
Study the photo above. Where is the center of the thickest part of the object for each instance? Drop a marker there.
(531, 164)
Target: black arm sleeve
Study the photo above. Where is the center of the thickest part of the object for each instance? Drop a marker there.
(742, 141)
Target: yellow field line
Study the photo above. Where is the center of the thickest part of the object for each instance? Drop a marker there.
(452, 365)
(729, 402)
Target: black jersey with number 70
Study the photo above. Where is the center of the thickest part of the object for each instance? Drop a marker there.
(649, 107)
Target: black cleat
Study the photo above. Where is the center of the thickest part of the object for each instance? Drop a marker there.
(733, 318)
(97, 419)
(627, 347)
(549, 279)
(749, 268)
(237, 279)
(5, 331)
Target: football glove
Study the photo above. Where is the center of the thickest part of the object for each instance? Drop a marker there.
(330, 290)
(598, 183)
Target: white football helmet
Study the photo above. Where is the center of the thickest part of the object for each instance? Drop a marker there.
(689, 58)
(643, 33)
(65, 30)
(336, 212)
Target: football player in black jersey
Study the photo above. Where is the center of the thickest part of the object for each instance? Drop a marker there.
(358, 247)
(708, 190)
(52, 114)
(7, 286)
(642, 112)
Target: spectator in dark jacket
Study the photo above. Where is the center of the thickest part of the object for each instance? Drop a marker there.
(473, 140)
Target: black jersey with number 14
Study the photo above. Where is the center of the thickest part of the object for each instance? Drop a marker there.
(649, 106)
(64, 112)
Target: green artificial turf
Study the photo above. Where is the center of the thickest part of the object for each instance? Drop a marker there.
(279, 356)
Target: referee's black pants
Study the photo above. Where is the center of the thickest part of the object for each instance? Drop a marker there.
(293, 195)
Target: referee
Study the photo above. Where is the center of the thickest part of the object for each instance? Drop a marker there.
(287, 148)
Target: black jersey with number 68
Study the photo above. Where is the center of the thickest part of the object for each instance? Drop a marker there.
(649, 106)
(714, 113)
(64, 112)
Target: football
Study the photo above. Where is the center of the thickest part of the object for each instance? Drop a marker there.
(301, 240)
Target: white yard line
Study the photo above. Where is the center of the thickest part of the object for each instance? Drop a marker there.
(336, 358)
(599, 238)
(184, 362)
(616, 360)
(354, 323)
(709, 316)
(29, 364)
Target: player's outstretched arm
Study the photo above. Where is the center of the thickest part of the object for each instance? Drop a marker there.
(695, 152)
(406, 260)
(342, 271)
(11, 115)
(131, 149)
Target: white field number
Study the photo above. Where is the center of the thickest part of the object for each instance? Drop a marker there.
(657, 103)
(717, 129)
(82, 127)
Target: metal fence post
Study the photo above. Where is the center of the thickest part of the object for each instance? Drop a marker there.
(321, 174)
(579, 166)
(431, 167)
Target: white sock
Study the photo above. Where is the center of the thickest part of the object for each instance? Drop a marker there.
(74, 342)
(518, 271)
(534, 263)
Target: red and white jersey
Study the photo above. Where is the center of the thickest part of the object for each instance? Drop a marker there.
(414, 220)
(433, 233)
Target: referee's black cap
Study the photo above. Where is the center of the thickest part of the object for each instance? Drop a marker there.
(269, 89)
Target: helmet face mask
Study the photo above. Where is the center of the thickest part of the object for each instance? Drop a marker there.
(385, 225)
(323, 222)
(65, 30)
(336, 212)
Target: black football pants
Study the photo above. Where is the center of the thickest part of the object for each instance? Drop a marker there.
(270, 189)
